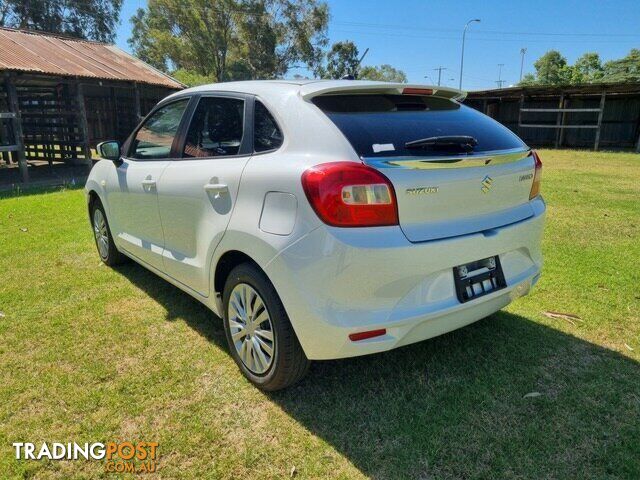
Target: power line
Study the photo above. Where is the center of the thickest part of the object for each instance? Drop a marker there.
(476, 39)
(490, 32)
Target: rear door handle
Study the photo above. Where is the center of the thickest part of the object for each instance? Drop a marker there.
(148, 182)
(216, 187)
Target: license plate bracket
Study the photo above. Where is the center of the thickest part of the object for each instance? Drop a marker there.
(476, 279)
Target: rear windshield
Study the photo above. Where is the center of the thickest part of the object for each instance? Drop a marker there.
(380, 125)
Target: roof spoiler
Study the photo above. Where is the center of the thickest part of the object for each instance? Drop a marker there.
(311, 90)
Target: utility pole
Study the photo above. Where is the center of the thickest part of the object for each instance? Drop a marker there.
(500, 82)
(464, 33)
(522, 52)
(439, 69)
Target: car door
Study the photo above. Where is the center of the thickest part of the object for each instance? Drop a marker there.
(197, 192)
(133, 194)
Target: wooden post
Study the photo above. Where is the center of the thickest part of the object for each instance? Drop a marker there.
(520, 107)
(596, 143)
(113, 102)
(559, 121)
(563, 121)
(136, 89)
(84, 125)
(14, 107)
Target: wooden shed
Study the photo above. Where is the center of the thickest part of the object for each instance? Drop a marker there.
(61, 96)
(605, 115)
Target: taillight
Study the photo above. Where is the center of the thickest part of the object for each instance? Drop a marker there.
(537, 177)
(349, 194)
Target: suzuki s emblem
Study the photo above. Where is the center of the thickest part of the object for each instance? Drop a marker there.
(487, 183)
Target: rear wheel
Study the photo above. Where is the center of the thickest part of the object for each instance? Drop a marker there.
(107, 250)
(260, 336)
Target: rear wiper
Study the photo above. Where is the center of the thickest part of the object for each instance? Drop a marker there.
(465, 142)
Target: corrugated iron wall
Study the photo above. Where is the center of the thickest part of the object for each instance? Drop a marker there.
(620, 123)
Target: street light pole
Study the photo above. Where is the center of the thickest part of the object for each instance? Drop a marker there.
(464, 33)
(522, 52)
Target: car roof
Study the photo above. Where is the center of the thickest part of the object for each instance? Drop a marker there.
(310, 88)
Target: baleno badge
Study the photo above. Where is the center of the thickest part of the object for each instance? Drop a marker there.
(487, 183)
(421, 190)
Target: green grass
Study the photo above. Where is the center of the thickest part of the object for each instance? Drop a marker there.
(93, 354)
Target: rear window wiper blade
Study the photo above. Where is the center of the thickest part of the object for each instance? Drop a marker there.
(466, 142)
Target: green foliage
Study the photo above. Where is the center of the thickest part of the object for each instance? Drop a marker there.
(552, 69)
(230, 39)
(191, 78)
(528, 79)
(343, 59)
(626, 69)
(88, 19)
(384, 73)
(587, 69)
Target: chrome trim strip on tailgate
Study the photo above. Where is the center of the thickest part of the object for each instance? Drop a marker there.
(481, 159)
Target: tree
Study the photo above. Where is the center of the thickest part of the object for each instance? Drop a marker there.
(230, 39)
(384, 73)
(342, 60)
(88, 19)
(587, 69)
(551, 68)
(625, 69)
(528, 79)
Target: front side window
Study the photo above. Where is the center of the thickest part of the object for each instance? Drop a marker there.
(216, 128)
(153, 140)
(266, 134)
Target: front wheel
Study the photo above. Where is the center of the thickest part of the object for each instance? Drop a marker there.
(107, 250)
(260, 336)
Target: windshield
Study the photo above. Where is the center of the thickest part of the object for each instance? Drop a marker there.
(379, 125)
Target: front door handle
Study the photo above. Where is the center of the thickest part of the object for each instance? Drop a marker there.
(216, 187)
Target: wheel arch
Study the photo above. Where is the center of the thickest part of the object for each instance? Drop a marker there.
(226, 263)
(92, 197)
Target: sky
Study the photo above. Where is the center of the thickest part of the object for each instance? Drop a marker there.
(418, 36)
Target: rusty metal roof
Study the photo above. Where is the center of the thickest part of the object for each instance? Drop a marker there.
(39, 52)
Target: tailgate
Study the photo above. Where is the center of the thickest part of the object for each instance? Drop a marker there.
(446, 197)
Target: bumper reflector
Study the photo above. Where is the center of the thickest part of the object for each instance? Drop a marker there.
(355, 337)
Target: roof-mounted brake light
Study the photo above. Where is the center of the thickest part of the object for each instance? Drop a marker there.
(417, 91)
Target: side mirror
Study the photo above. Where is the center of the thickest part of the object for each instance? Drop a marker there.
(109, 150)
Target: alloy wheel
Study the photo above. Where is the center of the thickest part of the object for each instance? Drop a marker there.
(101, 233)
(251, 328)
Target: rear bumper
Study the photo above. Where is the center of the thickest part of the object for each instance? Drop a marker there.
(334, 282)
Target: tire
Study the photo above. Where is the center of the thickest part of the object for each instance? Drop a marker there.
(107, 250)
(287, 363)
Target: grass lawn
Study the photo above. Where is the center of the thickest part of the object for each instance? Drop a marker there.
(90, 354)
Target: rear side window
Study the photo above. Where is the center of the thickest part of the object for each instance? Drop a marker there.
(216, 128)
(266, 134)
(379, 125)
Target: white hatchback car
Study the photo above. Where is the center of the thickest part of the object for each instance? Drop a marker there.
(323, 219)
